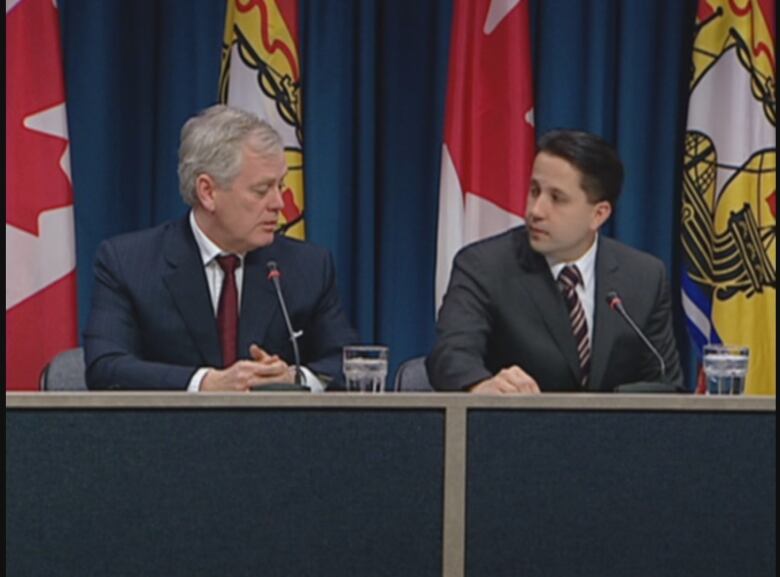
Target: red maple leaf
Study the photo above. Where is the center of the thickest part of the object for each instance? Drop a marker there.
(34, 181)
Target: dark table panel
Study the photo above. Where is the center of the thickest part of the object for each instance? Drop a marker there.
(600, 493)
(225, 492)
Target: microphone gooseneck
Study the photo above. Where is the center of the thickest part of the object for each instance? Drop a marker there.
(616, 304)
(273, 276)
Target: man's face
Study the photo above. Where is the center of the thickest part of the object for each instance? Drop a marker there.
(562, 223)
(246, 214)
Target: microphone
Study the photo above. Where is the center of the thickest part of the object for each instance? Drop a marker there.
(614, 302)
(273, 276)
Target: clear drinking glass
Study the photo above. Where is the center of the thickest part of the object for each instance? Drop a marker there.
(725, 367)
(365, 368)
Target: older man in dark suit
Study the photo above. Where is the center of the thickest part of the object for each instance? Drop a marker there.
(526, 311)
(189, 305)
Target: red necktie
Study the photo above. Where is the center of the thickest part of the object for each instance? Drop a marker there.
(227, 311)
(568, 280)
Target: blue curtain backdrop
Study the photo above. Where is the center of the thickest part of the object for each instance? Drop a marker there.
(374, 75)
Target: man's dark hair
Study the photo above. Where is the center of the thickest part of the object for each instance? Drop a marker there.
(599, 163)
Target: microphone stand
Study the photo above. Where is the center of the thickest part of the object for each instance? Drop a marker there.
(614, 302)
(273, 276)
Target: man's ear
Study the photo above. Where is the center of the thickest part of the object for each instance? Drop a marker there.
(602, 210)
(205, 189)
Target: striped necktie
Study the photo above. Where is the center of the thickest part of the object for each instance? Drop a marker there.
(568, 280)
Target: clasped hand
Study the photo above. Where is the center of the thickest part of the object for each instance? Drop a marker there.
(241, 375)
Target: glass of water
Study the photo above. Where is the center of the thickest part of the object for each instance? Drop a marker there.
(725, 367)
(365, 368)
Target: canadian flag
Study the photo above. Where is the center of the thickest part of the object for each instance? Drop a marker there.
(488, 134)
(40, 294)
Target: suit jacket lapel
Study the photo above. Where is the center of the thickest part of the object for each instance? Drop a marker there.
(548, 299)
(186, 281)
(259, 304)
(605, 320)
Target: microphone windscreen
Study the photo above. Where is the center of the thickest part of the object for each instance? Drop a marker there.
(613, 300)
(273, 270)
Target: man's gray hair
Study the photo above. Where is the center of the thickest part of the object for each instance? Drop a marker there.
(212, 143)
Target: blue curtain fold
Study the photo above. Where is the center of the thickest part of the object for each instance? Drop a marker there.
(374, 80)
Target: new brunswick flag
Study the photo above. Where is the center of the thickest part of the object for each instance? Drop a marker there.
(261, 73)
(729, 175)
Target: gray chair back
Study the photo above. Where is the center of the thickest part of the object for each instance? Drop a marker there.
(65, 372)
(412, 377)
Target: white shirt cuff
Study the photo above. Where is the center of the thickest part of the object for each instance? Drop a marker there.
(311, 381)
(197, 379)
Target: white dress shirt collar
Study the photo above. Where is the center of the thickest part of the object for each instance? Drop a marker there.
(586, 265)
(208, 249)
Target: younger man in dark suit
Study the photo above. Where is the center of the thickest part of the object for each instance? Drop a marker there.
(188, 305)
(526, 311)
